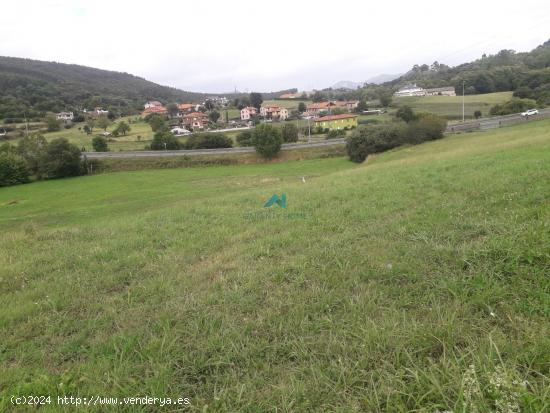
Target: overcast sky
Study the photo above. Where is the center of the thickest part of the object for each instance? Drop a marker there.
(215, 46)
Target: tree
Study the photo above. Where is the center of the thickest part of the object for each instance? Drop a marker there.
(123, 128)
(361, 106)
(165, 141)
(87, 129)
(99, 143)
(208, 104)
(477, 114)
(31, 148)
(172, 109)
(289, 132)
(406, 113)
(214, 116)
(318, 97)
(103, 122)
(367, 140)
(13, 169)
(267, 140)
(256, 100)
(60, 159)
(385, 98)
(52, 123)
(157, 122)
(302, 107)
(90, 123)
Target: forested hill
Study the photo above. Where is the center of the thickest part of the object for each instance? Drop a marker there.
(35, 87)
(527, 73)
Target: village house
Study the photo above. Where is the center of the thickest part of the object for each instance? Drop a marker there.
(152, 104)
(290, 96)
(318, 107)
(97, 112)
(161, 110)
(274, 112)
(195, 120)
(410, 90)
(336, 122)
(184, 108)
(64, 116)
(441, 91)
(248, 113)
(349, 105)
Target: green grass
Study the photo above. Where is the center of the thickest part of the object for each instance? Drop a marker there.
(289, 104)
(451, 106)
(417, 281)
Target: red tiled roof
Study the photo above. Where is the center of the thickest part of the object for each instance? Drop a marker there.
(156, 109)
(320, 105)
(195, 115)
(185, 106)
(335, 117)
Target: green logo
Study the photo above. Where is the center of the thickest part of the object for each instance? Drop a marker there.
(275, 199)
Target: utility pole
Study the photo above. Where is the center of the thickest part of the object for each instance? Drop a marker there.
(26, 125)
(463, 83)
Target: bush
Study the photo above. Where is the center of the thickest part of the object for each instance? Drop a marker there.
(99, 143)
(32, 148)
(208, 141)
(289, 132)
(245, 138)
(514, 105)
(367, 140)
(267, 140)
(426, 128)
(52, 123)
(60, 159)
(13, 169)
(165, 140)
(333, 134)
(477, 114)
(406, 113)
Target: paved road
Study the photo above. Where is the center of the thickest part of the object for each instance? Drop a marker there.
(197, 152)
(496, 122)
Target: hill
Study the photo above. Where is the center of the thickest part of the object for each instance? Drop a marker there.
(415, 282)
(35, 87)
(528, 74)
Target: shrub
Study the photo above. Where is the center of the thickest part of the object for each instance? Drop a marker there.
(52, 123)
(13, 169)
(208, 141)
(289, 132)
(99, 143)
(367, 140)
(165, 140)
(337, 133)
(60, 159)
(426, 128)
(406, 113)
(514, 105)
(245, 138)
(267, 140)
(477, 114)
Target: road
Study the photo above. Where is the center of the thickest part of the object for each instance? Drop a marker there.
(496, 122)
(198, 152)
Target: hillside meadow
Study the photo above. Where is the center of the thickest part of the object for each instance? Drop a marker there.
(417, 281)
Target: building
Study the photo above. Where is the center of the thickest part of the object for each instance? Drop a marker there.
(161, 110)
(410, 90)
(290, 96)
(97, 112)
(318, 107)
(184, 108)
(349, 105)
(64, 116)
(248, 113)
(441, 91)
(152, 104)
(274, 112)
(336, 122)
(195, 120)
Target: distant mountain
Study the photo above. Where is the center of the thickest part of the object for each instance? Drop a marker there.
(379, 79)
(347, 84)
(35, 87)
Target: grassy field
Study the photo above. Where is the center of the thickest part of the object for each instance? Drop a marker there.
(289, 104)
(417, 281)
(451, 106)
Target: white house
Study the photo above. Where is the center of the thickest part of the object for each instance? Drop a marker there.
(152, 104)
(274, 112)
(248, 113)
(410, 90)
(441, 91)
(64, 116)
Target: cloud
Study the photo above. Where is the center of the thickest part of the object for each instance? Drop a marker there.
(217, 45)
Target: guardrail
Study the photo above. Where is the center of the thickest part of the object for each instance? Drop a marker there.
(496, 122)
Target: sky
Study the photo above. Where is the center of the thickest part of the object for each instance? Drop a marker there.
(216, 46)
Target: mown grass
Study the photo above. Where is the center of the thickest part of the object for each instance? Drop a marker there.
(417, 281)
(451, 106)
